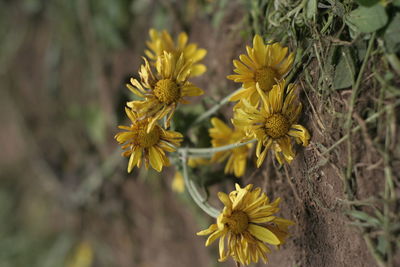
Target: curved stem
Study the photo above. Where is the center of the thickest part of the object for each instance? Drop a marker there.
(214, 109)
(194, 193)
(207, 152)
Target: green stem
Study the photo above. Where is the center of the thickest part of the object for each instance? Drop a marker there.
(214, 109)
(394, 62)
(192, 189)
(207, 152)
(358, 81)
(328, 23)
(349, 120)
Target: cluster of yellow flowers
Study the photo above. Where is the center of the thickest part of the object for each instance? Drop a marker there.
(164, 82)
(267, 110)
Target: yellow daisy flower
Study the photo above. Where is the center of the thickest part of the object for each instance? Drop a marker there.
(151, 145)
(264, 65)
(274, 123)
(164, 90)
(246, 223)
(222, 135)
(162, 41)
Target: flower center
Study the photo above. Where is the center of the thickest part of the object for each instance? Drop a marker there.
(144, 139)
(238, 222)
(167, 91)
(276, 125)
(266, 78)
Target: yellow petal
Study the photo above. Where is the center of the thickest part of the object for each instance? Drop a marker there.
(286, 148)
(225, 199)
(214, 236)
(261, 158)
(132, 116)
(267, 105)
(239, 94)
(220, 127)
(240, 166)
(267, 145)
(246, 60)
(182, 40)
(155, 159)
(300, 132)
(209, 230)
(222, 254)
(263, 219)
(276, 96)
(134, 90)
(259, 146)
(197, 69)
(259, 49)
(241, 67)
(191, 90)
(285, 66)
(166, 146)
(283, 223)
(278, 53)
(239, 198)
(198, 55)
(263, 234)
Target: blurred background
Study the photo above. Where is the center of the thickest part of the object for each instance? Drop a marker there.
(65, 196)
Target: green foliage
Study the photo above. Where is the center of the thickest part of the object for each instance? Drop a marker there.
(367, 19)
(344, 70)
(392, 35)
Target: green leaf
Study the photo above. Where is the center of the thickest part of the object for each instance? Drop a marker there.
(383, 245)
(364, 217)
(367, 19)
(344, 70)
(392, 35)
(396, 3)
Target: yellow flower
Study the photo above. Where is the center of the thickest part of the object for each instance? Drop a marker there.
(178, 183)
(162, 41)
(274, 123)
(265, 64)
(151, 145)
(247, 222)
(163, 91)
(222, 135)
